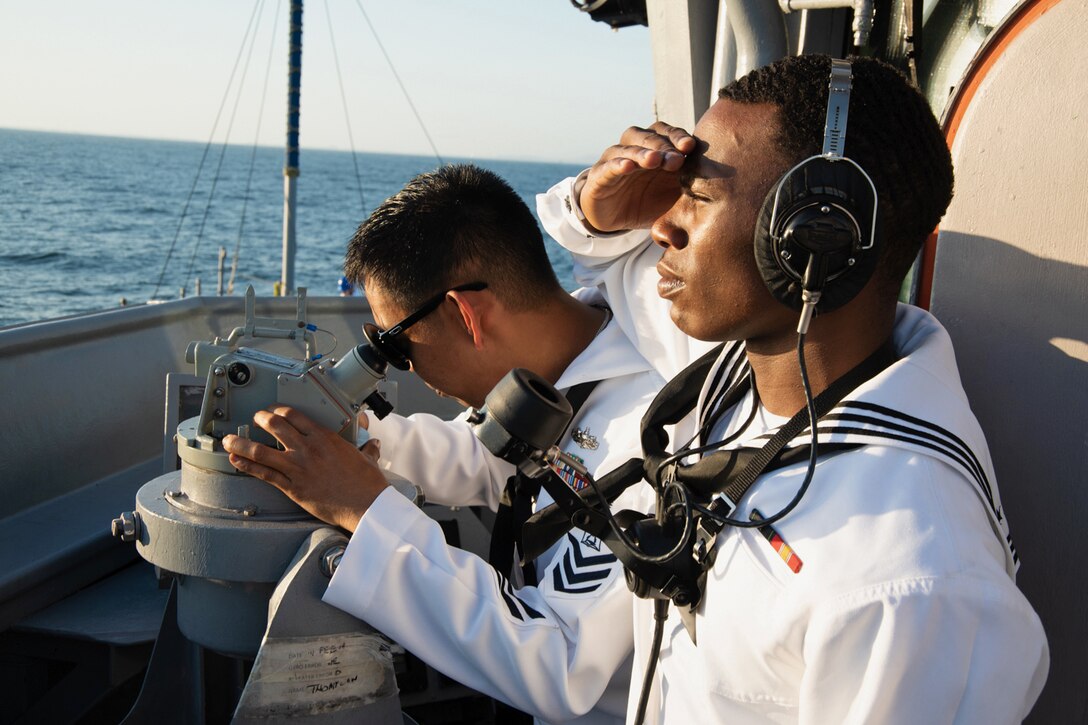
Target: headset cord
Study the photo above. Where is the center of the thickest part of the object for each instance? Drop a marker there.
(661, 606)
(661, 613)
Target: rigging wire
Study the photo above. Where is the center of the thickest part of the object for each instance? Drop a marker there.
(226, 139)
(204, 156)
(344, 101)
(403, 90)
(253, 153)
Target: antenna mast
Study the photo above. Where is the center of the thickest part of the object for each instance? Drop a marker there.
(290, 169)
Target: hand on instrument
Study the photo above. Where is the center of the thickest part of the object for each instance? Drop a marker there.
(318, 470)
(637, 180)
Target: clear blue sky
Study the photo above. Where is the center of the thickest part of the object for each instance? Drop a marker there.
(521, 79)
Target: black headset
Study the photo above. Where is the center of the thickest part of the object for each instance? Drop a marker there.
(816, 247)
(818, 224)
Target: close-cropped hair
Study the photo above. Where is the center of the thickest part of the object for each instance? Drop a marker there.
(457, 224)
(891, 133)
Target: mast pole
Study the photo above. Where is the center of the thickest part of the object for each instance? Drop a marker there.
(290, 169)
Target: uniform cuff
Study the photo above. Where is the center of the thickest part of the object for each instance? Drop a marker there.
(573, 210)
(362, 568)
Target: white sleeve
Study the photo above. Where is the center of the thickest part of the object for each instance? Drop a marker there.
(623, 267)
(444, 458)
(943, 651)
(549, 651)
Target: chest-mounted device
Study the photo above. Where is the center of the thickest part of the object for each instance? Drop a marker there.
(521, 418)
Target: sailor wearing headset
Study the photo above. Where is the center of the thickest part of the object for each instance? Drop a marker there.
(866, 575)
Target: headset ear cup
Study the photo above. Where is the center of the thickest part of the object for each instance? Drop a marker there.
(819, 206)
(781, 285)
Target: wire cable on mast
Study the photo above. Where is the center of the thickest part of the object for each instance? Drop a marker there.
(226, 139)
(344, 101)
(204, 156)
(403, 90)
(253, 153)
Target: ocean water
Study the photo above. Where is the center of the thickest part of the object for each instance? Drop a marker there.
(88, 220)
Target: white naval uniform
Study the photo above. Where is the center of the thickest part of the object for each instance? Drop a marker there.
(559, 650)
(904, 609)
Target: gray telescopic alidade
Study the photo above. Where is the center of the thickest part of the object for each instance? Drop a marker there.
(240, 550)
(242, 380)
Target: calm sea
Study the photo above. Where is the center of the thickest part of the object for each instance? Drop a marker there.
(88, 220)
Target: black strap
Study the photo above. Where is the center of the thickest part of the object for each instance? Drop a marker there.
(672, 403)
(548, 525)
(516, 505)
(709, 473)
(732, 470)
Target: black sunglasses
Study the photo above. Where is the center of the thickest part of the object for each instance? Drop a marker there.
(382, 341)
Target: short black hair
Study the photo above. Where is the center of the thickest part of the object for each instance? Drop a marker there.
(891, 133)
(457, 224)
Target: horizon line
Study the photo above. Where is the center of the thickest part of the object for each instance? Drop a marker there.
(302, 148)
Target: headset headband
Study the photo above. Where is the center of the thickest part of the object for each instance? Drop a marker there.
(838, 108)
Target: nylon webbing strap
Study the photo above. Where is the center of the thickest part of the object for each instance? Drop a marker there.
(737, 460)
(733, 471)
(669, 407)
(548, 525)
(710, 474)
(824, 402)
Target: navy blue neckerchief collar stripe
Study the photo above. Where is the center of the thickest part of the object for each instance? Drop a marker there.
(863, 423)
(723, 470)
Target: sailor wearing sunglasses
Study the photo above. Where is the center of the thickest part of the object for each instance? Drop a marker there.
(458, 279)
